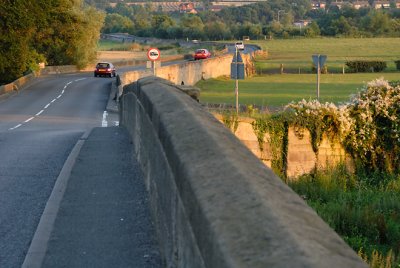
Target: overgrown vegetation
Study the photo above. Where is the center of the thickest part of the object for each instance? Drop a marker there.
(55, 32)
(366, 215)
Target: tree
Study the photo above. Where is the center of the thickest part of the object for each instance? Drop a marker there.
(59, 32)
(312, 30)
(115, 23)
(376, 22)
(17, 27)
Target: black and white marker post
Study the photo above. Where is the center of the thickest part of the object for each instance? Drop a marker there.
(319, 61)
(237, 72)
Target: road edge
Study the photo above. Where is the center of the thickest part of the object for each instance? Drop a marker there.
(37, 250)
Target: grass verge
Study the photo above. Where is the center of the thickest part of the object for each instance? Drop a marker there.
(364, 210)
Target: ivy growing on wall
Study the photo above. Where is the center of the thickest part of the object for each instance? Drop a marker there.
(230, 120)
(277, 128)
(368, 127)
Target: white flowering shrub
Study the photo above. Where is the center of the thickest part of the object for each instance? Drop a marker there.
(368, 126)
(374, 134)
(317, 118)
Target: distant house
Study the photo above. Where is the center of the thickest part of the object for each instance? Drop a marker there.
(301, 23)
(361, 4)
(318, 5)
(339, 5)
(187, 8)
(381, 4)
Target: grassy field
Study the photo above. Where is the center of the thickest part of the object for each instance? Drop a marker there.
(296, 53)
(279, 90)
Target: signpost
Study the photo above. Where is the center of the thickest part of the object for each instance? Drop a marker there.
(319, 61)
(237, 72)
(153, 54)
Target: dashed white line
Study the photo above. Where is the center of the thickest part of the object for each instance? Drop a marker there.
(17, 126)
(47, 106)
(29, 119)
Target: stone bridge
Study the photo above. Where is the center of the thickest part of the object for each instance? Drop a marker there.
(214, 203)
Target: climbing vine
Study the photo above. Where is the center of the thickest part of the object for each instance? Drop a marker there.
(277, 128)
(230, 120)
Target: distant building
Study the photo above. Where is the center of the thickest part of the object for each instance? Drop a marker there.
(301, 23)
(187, 8)
(361, 4)
(318, 5)
(381, 4)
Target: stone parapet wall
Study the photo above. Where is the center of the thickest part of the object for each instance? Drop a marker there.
(301, 158)
(214, 203)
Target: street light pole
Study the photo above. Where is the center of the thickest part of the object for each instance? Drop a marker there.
(237, 84)
(279, 11)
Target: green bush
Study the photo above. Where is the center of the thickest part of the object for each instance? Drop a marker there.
(360, 66)
(397, 62)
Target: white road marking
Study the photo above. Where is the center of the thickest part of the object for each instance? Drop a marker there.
(47, 106)
(17, 126)
(29, 119)
(104, 121)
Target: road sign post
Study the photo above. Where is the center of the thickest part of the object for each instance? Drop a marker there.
(153, 54)
(319, 61)
(237, 72)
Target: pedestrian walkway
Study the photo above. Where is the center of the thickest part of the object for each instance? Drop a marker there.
(104, 219)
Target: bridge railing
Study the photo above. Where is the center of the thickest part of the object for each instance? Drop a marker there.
(214, 203)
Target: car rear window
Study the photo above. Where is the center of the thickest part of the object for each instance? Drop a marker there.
(103, 65)
(201, 51)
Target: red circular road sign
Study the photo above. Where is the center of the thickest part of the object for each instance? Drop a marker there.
(153, 54)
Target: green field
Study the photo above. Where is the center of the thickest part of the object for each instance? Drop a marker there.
(280, 89)
(296, 53)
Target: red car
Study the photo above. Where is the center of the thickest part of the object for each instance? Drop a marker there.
(104, 69)
(202, 54)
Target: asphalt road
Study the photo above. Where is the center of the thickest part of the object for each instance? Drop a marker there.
(38, 129)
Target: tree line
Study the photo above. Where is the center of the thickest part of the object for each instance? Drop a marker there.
(273, 18)
(57, 32)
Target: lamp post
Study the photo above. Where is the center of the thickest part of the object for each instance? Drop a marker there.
(279, 11)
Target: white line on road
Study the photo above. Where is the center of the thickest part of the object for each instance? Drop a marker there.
(29, 119)
(47, 106)
(104, 121)
(17, 126)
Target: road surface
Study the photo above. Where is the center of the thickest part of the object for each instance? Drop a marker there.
(38, 129)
